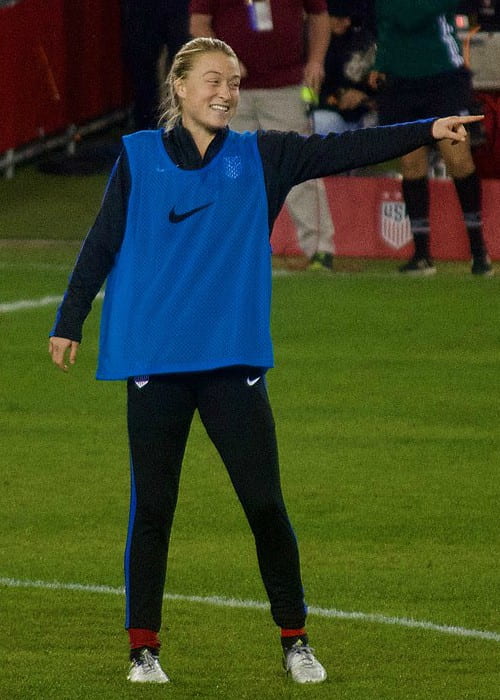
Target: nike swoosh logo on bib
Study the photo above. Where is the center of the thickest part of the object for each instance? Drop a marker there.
(175, 218)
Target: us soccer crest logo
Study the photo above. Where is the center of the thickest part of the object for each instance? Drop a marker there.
(233, 166)
(394, 223)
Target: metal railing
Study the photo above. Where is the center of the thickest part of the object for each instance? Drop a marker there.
(67, 140)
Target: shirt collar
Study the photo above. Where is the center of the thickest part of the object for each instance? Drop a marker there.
(182, 149)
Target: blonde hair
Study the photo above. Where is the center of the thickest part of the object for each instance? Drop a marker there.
(170, 106)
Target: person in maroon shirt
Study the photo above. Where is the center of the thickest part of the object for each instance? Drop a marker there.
(278, 55)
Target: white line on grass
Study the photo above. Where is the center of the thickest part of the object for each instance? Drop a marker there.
(30, 304)
(22, 304)
(220, 601)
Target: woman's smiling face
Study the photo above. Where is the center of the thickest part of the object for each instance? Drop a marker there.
(209, 93)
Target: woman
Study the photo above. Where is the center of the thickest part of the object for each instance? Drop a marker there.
(183, 237)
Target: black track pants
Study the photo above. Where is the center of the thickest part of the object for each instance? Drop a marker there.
(236, 413)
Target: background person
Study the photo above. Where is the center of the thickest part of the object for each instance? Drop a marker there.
(345, 98)
(182, 237)
(420, 72)
(149, 27)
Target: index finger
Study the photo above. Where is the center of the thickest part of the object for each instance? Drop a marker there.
(466, 119)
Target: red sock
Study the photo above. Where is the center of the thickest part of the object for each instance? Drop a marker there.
(289, 637)
(139, 637)
(293, 633)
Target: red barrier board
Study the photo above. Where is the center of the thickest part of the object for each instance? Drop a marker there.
(370, 220)
(61, 64)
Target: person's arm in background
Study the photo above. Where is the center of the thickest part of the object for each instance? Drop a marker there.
(318, 38)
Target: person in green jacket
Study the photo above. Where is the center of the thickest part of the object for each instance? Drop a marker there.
(419, 72)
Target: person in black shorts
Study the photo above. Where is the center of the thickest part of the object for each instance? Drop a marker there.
(419, 72)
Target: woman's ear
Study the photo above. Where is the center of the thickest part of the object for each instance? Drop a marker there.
(180, 88)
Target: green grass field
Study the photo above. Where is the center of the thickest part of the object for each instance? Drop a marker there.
(386, 400)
